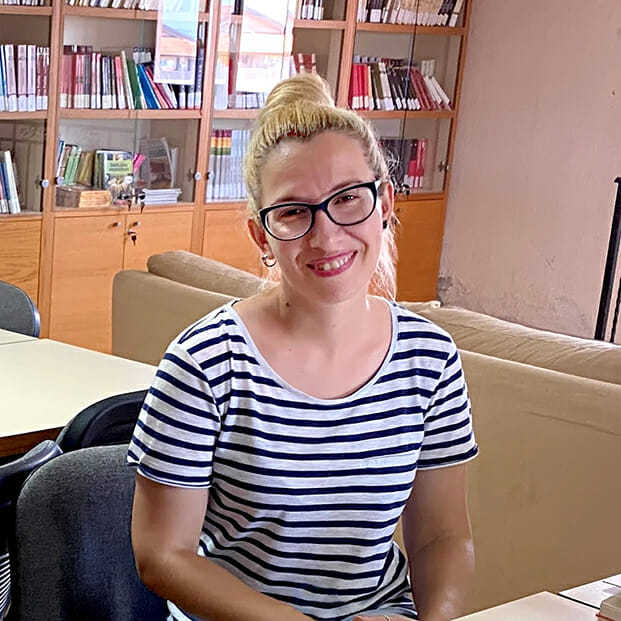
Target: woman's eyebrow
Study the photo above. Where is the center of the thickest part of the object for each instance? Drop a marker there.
(296, 199)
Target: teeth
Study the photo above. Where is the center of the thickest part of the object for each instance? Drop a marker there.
(334, 265)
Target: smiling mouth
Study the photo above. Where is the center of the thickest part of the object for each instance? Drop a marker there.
(332, 265)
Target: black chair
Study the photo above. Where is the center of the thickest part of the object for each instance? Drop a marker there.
(18, 312)
(12, 477)
(109, 421)
(71, 553)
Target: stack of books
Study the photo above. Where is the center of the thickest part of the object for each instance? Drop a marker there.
(93, 80)
(162, 196)
(304, 63)
(310, 9)
(391, 84)
(419, 12)
(408, 156)
(227, 153)
(24, 77)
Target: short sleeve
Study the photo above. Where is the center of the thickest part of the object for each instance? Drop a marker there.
(449, 438)
(174, 438)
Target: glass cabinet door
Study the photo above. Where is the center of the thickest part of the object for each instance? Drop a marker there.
(25, 55)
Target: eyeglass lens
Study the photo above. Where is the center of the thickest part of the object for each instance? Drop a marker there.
(348, 207)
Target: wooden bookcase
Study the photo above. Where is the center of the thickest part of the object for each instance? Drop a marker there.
(66, 258)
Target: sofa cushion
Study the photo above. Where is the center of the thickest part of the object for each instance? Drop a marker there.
(204, 273)
(484, 334)
(148, 312)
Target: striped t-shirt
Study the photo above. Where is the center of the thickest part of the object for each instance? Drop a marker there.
(304, 493)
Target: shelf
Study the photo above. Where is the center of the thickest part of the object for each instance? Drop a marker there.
(418, 195)
(76, 113)
(410, 29)
(319, 24)
(409, 114)
(22, 215)
(236, 113)
(25, 10)
(135, 14)
(39, 115)
(72, 212)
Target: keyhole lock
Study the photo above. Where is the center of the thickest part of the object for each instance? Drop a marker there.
(133, 236)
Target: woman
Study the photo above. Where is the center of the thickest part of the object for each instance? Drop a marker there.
(285, 434)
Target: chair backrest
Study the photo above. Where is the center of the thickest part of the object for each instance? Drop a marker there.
(18, 312)
(109, 421)
(12, 477)
(72, 556)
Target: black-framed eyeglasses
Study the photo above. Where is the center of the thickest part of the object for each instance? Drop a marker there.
(349, 206)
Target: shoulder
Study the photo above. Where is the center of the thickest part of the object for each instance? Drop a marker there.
(214, 332)
(416, 331)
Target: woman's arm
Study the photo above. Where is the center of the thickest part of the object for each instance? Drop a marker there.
(166, 526)
(438, 539)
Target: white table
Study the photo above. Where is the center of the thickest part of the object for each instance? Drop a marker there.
(593, 593)
(44, 383)
(6, 336)
(542, 606)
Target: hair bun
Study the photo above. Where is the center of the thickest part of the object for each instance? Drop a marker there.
(310, 87)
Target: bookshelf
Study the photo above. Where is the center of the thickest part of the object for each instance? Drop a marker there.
(66, 258)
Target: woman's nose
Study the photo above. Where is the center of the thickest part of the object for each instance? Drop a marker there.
(323, 228)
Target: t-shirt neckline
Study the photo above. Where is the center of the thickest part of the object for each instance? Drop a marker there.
(300, 394)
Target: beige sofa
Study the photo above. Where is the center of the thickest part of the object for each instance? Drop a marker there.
(543, 493)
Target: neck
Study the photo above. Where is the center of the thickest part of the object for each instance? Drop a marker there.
(330, 324)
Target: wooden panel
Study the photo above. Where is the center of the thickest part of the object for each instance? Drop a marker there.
(88, 252)
(419, 243)
(226, 239)
(155, 233)
(20, 246)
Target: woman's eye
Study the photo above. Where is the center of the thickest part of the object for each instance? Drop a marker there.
(345, 198)
(292, 212)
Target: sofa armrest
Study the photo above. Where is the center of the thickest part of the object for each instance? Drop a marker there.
(543, 492)
(149, 311)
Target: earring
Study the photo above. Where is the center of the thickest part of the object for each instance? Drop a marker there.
(267, 262)
(385, 224)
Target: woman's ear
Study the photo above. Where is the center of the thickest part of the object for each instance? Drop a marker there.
(257, 232)
(388, 201)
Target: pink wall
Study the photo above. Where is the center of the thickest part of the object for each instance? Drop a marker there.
(538, 147)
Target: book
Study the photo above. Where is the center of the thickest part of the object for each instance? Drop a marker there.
(115, 173)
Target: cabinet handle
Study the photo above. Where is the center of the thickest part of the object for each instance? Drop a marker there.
(443, 166)
(196, 176)
(60, 180)
(116, 224)
(45, 183)
(137, 223)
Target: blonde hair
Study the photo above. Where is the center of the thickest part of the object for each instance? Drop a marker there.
(300, 108)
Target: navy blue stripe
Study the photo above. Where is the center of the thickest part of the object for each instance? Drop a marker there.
(447, 413)
(182, 386)
(273, 490)
(409, 373)
(347, 506)
(184, 407)
(243, 375)
(216, 340)
(200, 327)
(227, 520)
(383, 414)
(441, 461)
(419, 353)
(184, 365)
(162, 475)
(214, 361)
(333, 439)
(423, 334)
(171, 459)
(323, 473)
(350, 525)
(380, 452)
(178, 424)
